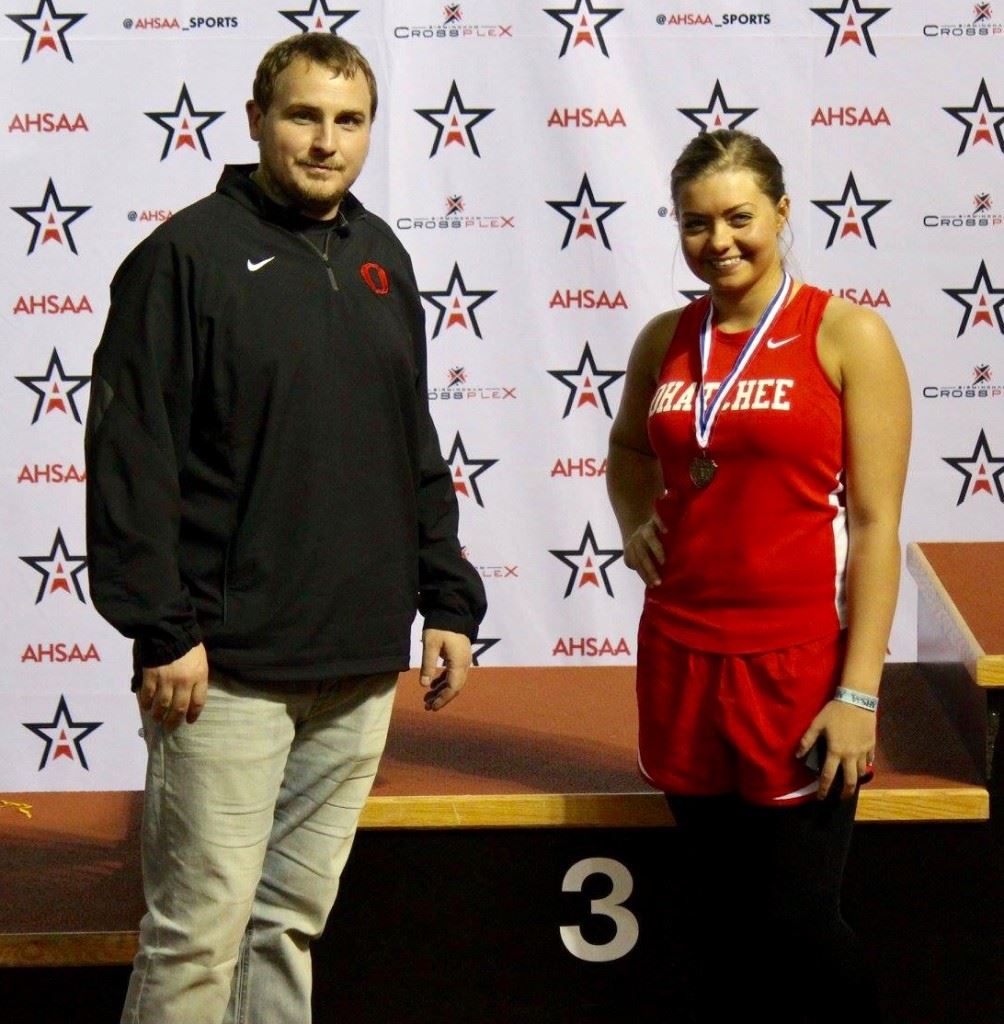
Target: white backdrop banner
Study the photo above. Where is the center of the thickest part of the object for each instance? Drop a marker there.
(522, 154)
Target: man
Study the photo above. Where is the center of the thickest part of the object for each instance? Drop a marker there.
(268, 507)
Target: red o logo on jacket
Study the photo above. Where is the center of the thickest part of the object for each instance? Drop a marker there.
(375, 277)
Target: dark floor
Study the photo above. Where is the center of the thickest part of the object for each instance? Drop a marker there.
(463, 926)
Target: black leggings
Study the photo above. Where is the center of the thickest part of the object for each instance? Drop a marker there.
(761, 906)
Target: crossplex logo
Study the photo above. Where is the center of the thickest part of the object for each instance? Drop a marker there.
(453, 26)
(982, 25)
(460, 386)
(457, 215)
(47, 29)
(980, 387)
(980, 216)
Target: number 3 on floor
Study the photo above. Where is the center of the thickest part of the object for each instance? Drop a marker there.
(611, 906)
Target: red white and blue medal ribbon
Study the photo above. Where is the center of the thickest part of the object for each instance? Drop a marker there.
(703, 467)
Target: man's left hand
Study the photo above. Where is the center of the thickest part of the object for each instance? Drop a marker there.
(445, 682)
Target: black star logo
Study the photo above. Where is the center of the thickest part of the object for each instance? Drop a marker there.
(452, 12)
(846, 214)
(984, 122)
(717, 114)
(184, 124)
(693, 294)
(53, 568)
(53, 393)
(51, 227)
(64, 734)
(465, 470)
(318, 17)
(583, 24)
(979, 302)
(456, 121)
(978, 472)
(482, 644)
(458, 303)
(585, 214)
(588, 563)
(851, 23)
(42, 25)
(582, 384)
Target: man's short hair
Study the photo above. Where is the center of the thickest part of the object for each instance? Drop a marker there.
(325, 48)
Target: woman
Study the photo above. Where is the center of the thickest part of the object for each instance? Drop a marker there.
(756, 469)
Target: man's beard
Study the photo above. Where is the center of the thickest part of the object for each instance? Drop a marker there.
(314, 202)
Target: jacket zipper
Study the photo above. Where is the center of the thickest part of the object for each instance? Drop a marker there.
(331, 272)
(323, 254)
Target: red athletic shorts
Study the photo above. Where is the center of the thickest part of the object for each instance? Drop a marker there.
(711, 724)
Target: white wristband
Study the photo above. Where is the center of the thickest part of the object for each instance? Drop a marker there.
(857, 698)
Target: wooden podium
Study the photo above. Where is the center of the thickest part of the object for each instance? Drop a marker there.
(960, 635)
(525, 748)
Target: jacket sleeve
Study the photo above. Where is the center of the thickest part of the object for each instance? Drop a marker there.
(135, 441)
(451, 592)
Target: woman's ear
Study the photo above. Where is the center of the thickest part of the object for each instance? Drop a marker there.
(782, 210)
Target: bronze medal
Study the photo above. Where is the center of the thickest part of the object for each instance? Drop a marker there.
(702, 470)
(706, 410)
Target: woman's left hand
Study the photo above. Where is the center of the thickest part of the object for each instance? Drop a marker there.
(850, 734)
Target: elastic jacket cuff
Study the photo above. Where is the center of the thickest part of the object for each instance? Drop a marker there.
(452, 623)
(154, 651)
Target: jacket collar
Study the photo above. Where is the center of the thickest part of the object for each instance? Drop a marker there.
(236, 183)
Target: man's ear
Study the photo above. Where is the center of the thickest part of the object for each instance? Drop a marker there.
(255, 115)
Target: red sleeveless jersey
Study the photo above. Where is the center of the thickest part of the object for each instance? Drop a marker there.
(756, 559)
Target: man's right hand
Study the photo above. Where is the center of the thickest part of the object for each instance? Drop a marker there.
(176, 691)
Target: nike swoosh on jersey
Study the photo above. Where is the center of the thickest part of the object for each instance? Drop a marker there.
(252, 266)
(778, 342)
